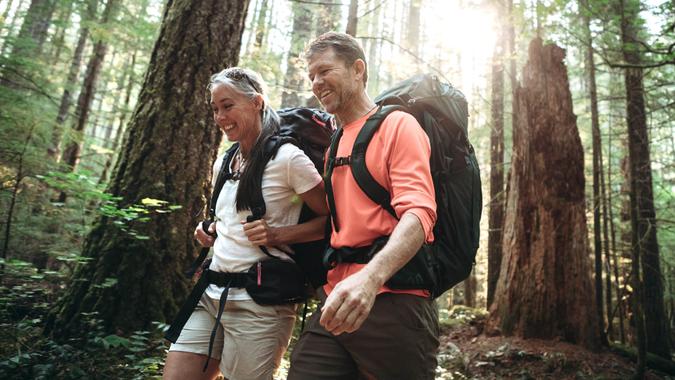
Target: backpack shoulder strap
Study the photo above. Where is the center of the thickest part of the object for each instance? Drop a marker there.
(362, 176)
(223, 175)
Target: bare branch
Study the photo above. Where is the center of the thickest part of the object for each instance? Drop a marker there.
(385, 39)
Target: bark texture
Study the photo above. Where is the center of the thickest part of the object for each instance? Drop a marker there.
(168, 152)
(544, 289)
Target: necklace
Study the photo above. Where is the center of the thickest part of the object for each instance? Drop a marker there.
(241, 160)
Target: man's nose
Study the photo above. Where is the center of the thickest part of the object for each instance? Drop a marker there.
(316, 83)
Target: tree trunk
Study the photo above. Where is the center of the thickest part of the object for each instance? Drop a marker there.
(643, 215)
(55, 151)
(262, 26)
(597, 152)
(328, 18)
(170, 148)
(545, 285)
(28, 44)
(11, 28)
(71, 155)
(496, 212)
(470, 285)
(352, 18)
(412, 35)
(295, 82)
(119, 132)
(612, 240)
(20, 175)
(60, 34)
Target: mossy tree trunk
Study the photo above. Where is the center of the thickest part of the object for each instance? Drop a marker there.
(544, 288)
(168, 151)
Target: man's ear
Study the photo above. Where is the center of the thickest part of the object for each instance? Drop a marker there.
(359, 68)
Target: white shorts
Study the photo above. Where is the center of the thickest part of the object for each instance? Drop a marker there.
(250, 341)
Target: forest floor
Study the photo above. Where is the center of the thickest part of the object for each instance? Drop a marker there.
(467, 353)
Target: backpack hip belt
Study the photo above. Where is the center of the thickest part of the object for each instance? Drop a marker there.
(221, 279)
(360, 255)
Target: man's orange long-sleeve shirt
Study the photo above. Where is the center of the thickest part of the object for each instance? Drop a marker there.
(398, 159)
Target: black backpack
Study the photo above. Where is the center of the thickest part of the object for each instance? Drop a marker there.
(442, 112)
(310, 130)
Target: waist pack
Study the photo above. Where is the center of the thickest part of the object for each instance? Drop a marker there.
(268, 282)
(442, 111)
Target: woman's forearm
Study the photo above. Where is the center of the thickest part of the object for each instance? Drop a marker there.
(311, 230)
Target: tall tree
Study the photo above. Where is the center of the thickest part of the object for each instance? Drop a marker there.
(496, 212)
(75, 63)
(352, 18)
(295, 81)
(261, 27)
(71, 155)
(589, 69)
(28, 44)
(328, 17)
(644, 243)
(544, 281)
(170, 148)
(412, 33)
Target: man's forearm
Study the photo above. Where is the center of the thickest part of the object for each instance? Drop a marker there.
(403, 244)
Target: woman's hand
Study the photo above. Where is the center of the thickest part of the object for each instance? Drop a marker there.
(202, 237)
(259, 233)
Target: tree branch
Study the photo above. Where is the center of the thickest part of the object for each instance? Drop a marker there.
(385, 39)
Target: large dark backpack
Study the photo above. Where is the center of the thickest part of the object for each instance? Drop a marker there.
(442, 112)
(310, 130)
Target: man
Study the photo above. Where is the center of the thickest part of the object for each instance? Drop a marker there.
(364, 329)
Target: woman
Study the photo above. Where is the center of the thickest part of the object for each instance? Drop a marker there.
(251, 338)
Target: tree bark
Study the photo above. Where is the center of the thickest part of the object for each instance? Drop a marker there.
(295, 81)
(64, 108)
(643, 216)
(169, 151)
(545, 285)
(71, 155)
(496, 212)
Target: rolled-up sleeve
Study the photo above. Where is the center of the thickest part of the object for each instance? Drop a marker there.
(412, 187)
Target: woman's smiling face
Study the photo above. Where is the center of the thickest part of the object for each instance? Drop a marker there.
(236, 114)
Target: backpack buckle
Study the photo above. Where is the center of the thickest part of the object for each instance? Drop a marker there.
(340, 161)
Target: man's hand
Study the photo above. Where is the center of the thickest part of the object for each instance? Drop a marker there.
(259, 233)
(202, 237)
(349, 304)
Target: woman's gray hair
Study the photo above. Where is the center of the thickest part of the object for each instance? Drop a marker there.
(249, 83)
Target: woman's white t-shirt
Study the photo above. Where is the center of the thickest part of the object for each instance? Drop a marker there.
(288, 174)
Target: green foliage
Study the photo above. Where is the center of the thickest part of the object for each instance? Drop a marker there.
(25, 353)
